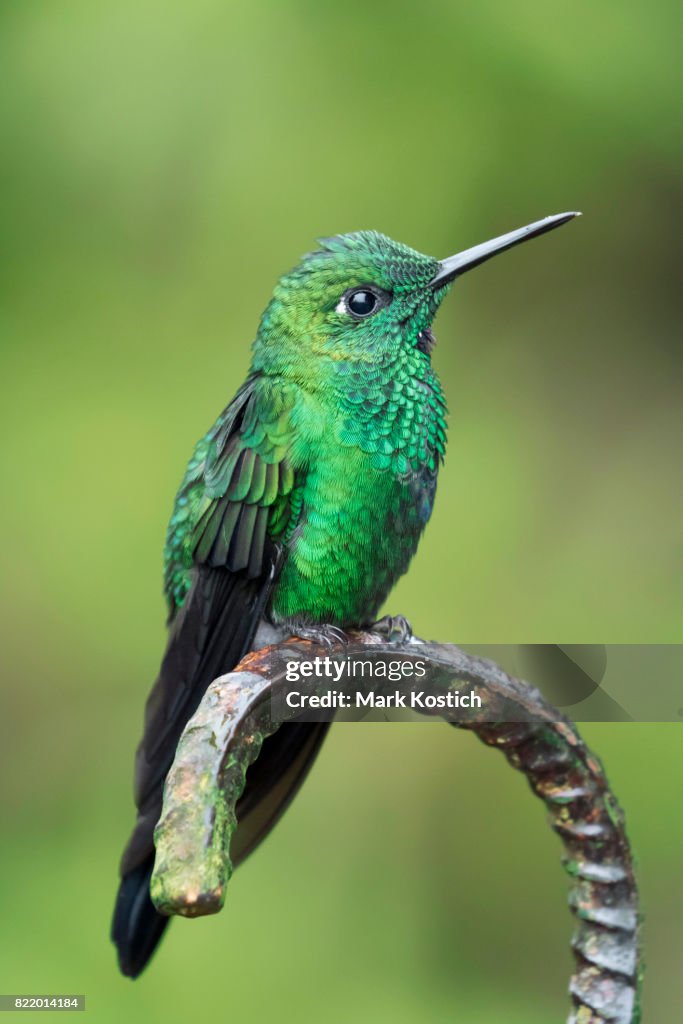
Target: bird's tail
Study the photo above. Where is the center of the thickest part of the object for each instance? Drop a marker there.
(272, 782)
(209, 636)
(137, 927)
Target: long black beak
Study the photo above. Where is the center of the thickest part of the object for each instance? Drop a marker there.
(453, 266)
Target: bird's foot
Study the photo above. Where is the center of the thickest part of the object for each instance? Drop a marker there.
(324, 634)
(395, 629)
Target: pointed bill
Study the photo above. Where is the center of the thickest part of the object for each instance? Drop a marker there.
(453, 266)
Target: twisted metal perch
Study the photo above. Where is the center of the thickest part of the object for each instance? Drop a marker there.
(225, 735)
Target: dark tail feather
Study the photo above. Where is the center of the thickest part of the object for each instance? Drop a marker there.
(209, 636)
(137, 927)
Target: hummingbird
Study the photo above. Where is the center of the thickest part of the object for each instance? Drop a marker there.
(299, 509)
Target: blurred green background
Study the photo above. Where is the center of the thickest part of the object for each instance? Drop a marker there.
(162, 164)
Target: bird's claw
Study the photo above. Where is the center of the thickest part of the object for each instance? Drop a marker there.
(324, 634)
(395, 629)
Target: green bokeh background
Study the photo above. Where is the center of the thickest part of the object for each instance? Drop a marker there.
(162, 164)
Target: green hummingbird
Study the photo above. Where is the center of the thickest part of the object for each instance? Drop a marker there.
(300, 508)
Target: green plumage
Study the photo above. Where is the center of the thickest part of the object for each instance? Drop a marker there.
(332, 446)
(302, 506)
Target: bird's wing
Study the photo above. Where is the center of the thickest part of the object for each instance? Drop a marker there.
(225, 545)
(239, 496)
(248, 479)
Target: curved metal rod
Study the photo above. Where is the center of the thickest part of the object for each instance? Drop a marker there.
(225, 735)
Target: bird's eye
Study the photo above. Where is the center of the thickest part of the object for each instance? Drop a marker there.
(362, 302)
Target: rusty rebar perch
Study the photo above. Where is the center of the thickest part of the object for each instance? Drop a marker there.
(225, 735)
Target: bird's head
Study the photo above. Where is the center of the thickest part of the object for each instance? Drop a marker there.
(362, 297)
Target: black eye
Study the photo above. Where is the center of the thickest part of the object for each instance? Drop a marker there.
(362, 302)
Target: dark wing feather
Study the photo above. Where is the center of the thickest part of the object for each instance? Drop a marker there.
(245, 481)
(209, 636)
